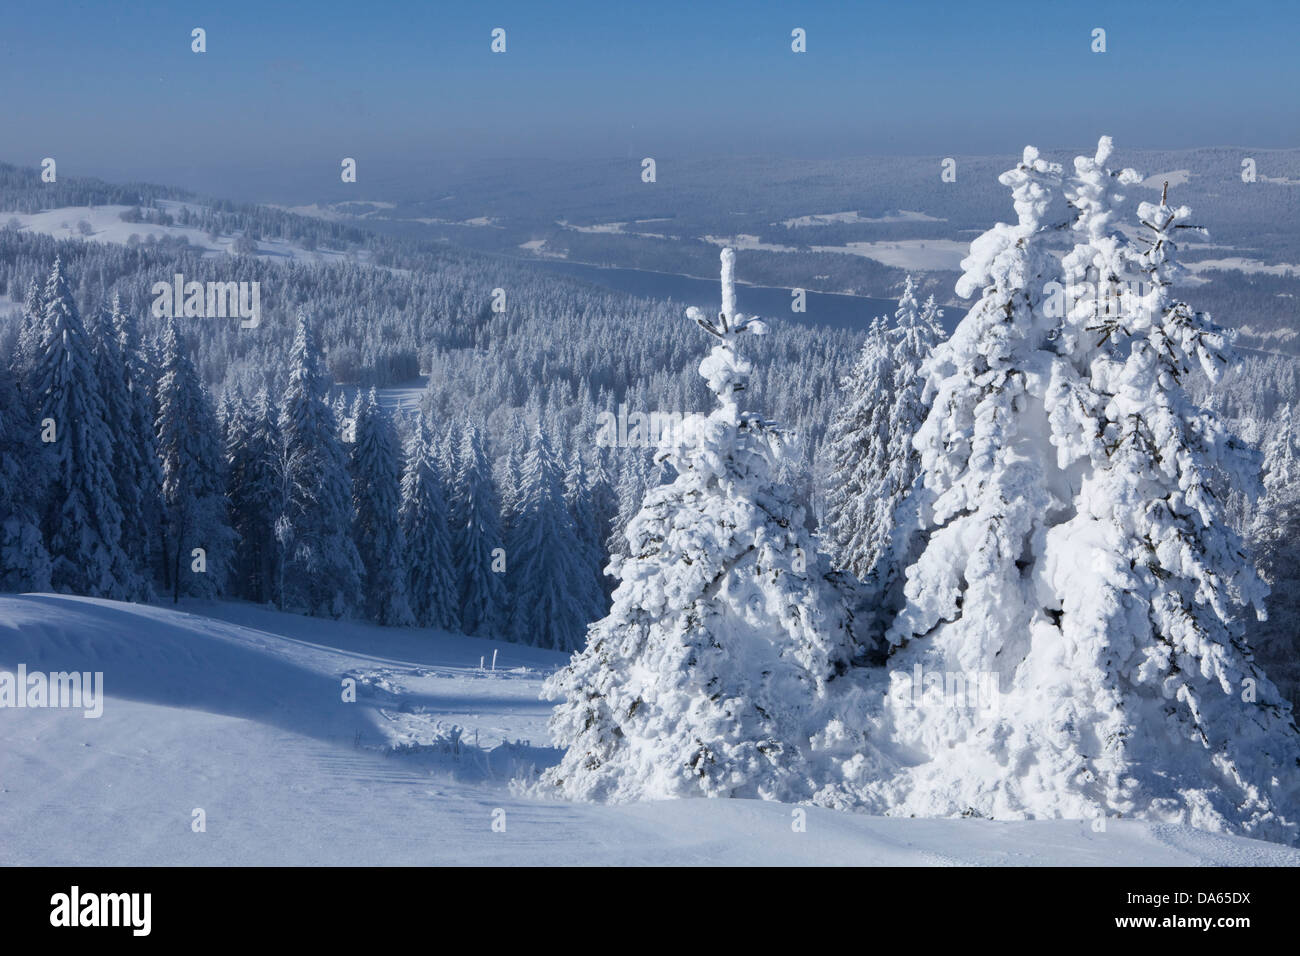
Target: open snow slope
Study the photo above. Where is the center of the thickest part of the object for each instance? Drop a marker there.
(105, 224)
(238, 711)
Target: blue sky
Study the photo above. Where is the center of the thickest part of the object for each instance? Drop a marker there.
(113, 88)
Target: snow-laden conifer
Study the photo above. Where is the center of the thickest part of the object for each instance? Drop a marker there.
(604, 507)
(376, 523)
(705, 675)
(550, 583)
(142, 510)
(857, 443)
(431, 579)
(30, 343)
(191, 456)
(872, 512)
(980, 446)
(254, 452)
(579, 498)
(322, 570)
(1169, 717)
(970, 597)
(478, 541)
(134, 458)
(1079, 574)
(1275, 544)
(82, 521)
(24, 560)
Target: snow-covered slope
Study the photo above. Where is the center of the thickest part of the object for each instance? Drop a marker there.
(105, 224)
(238, 711)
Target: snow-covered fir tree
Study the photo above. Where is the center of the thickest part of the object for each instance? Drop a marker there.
(604, 510)
(322, 573)
(1275, 543)
(431, 580)
(509, 476)
(1196, 732)
(875, 495)
(857, 443)
(969, 604)
(81, 519)
(446, 451)
(197, 536)
(1078, 558)
(30, 343)
(550, 602)
(24, 561)
(912, 339)
(376, 522)
(706, 675)
(133, 457)
(253, 457)
(587, 593)
(235, 417)
(139, 466)
(477, 539)
(342, 417)
(633, 482)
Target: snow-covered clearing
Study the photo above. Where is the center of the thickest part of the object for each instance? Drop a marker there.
(339, 211)
(598, 228)
(748, 243)
(476, 221)
(238, 710)
(1175, 177)
(401, 400)
(918, 254)
(1240, 264)
(854, 217)
(105, 224)
(614, 228)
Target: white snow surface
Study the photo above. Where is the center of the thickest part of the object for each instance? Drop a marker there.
(853, 217)
(106, 225)
(921, 255)
(237, 710)
(1175, 177)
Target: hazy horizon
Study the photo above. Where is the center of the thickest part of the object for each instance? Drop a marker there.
(285, 183)
(279, 96)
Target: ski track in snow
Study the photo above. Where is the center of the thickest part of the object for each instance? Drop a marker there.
(237, 710)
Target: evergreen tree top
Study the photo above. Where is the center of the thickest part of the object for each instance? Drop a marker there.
(726, 373)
